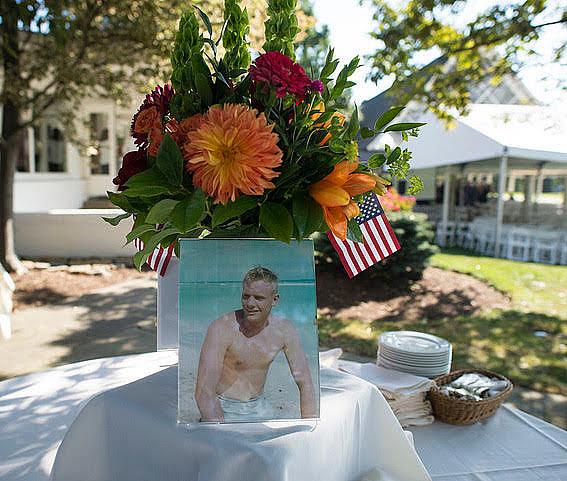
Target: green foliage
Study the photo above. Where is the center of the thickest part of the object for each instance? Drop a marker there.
(415, 236)
(277, 221)
(234, 37)
(114, 221)
(307, 216)
(169, 161)
(281, 27)
(488, 45)
(189, 68)
(397, 160)
(222, 213)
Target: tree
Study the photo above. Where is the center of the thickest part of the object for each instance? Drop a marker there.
(489, 45)
(313, 43)
(55, 53)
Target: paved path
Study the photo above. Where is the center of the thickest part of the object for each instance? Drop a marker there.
(120, 319)
(112, 321)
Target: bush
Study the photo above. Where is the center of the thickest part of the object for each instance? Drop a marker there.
(415, 235)
(393, 202)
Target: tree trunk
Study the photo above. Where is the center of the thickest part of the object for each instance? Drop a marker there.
(11, 131)
(9, 151)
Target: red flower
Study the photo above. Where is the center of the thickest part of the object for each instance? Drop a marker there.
(132, 163)
(274, 69)
(159, 98)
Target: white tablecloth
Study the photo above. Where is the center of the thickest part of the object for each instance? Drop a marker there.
(509, 446)
(36, 411)
(131, 434)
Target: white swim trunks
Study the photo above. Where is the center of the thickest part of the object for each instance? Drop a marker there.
(254, 409)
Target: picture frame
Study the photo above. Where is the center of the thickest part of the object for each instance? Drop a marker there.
(248, 345)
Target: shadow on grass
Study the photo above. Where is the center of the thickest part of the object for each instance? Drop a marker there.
(113, 324)
(528, 348)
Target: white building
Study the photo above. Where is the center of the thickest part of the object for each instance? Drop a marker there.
(60, 185)
(55, 173)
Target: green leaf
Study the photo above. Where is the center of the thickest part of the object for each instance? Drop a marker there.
(277, 221)
(204, 89)
(337, 146)
(394, 155)
(307, 215)
(148, 191)
(353, 231)
(375, 161)
(386, 118)
(116, 220)
(160, 212)
(353, 125)
(233, 209)
(330, 65)
(151, 244)
(403, 126)
(138, 231)
(416, 185)
(206, 20)
(189, 211)
(120, 200)
(148, 177)
(170, 161)
(366, 133)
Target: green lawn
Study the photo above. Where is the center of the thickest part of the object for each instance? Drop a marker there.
(532, 287)
(527, 342)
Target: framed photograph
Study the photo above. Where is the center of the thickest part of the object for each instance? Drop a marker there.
(248, 348)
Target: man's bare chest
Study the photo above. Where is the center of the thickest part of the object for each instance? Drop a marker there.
(256, 352)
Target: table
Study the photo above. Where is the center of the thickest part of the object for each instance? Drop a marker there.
(131, 434)
(509, 446)
(36, 411)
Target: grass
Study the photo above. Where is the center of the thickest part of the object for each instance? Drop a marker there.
(527, 343)
(532, 287)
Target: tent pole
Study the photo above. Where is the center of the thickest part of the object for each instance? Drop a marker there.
(500, 205)
(446, 197)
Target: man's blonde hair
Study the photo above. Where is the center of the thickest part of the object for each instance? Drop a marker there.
(260, 273)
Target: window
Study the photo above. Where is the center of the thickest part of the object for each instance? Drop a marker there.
(50, 148)
(99, 145)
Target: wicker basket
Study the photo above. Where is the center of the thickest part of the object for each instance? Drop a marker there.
(465, 411)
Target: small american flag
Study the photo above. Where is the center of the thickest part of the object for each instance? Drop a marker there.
(159, 259)
(379, 239)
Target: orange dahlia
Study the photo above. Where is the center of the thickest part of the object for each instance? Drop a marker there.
(334, 194)
(233, 152)
(179, 130)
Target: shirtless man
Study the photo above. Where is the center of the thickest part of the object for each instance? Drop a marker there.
(238, 350)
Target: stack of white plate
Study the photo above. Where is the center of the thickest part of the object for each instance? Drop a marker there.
(414, 352)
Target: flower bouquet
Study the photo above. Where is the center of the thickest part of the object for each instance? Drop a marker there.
(242, 148)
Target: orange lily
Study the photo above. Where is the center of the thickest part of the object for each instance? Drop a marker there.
(320, 107)
(334, 194)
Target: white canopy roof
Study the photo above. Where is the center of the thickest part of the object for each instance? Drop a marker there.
(531, 134)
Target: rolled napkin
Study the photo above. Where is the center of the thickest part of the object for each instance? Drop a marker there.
(405, 393)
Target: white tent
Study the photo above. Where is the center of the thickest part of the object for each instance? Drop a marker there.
(516, 140)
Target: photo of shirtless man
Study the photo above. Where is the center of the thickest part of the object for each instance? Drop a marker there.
(238, 350)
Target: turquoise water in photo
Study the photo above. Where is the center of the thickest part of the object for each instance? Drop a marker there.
(210, 285)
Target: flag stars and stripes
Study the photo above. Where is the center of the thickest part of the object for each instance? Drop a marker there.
(379, 240)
